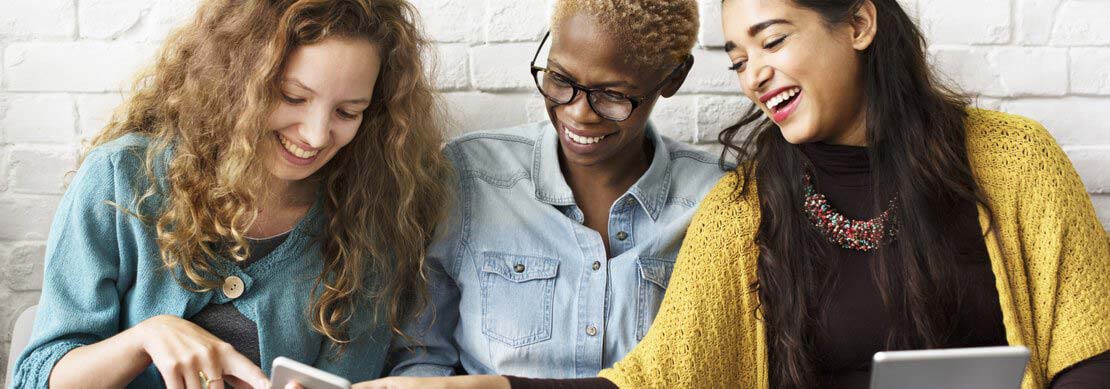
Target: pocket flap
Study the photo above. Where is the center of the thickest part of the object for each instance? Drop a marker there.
(658, 271)
(520, 268)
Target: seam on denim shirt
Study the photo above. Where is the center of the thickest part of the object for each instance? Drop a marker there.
(495, 136)
(693, 154)
(678, 200)
(464, 202)
(503, 183)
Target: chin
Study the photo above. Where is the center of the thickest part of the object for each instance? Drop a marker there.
(797, 136)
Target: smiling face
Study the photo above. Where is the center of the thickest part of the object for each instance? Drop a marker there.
(802, 72)
(588, 55)
(325, 89)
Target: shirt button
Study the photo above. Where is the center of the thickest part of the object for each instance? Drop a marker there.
(591, 330)
(519, 268)
(621, 236)
(630, 201)
(597, 265)
(233, 287)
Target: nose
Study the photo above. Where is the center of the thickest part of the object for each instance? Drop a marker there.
(316, 128)
(579, 109)
(756, 79)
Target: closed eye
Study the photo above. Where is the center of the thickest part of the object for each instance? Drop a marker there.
(772, 44)
(738, 66)
(348, 115)
(291, 99)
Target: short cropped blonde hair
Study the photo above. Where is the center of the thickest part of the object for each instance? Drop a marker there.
(657, 33)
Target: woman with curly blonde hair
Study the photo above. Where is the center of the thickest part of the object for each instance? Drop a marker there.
(268, 190)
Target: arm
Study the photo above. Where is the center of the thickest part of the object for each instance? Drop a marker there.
(1092, 373)
(1065, 252)
(77, 338)
(81, 290)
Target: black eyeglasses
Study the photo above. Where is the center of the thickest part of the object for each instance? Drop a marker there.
(611, 105)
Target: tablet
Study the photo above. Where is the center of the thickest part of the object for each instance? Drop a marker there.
(286, 370)
(980, 368)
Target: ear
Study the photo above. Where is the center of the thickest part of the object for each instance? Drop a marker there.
(864, 26)
(679, 77)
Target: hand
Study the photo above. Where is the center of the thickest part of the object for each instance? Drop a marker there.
(461, 382)
(182, 351)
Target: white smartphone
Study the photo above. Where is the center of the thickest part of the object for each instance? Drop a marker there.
(286, 370)
(958, 368)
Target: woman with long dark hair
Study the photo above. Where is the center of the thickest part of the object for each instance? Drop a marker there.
(875, 210)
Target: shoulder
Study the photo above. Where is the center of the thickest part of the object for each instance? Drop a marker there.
(993, 129)
(126, 152)
(692, 171)
(493, 149)
(114, 170)
(732, 205)
(1002, 145)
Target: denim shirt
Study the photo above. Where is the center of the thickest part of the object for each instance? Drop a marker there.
(104, 274)
(520, 286)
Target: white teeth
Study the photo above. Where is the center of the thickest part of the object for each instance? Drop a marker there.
(582, 139)
(781, 97)
(292, 148)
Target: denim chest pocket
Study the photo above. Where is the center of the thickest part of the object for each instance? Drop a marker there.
(655, 274)
(518, 295)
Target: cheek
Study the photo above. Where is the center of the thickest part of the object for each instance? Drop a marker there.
(283, 116)
(346, 132)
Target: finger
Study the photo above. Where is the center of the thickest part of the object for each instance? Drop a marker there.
(209, 363)
(238, 366)
(191, 376)
(293, 385)
(168, 367)
(234, 382)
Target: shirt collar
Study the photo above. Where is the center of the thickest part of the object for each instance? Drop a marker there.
(650, 191)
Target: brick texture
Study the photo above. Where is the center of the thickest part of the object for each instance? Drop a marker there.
(65, 65)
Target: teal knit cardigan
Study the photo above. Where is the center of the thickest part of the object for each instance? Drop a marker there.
(103, 274)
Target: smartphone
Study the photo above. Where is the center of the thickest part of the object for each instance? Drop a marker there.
(286, 370)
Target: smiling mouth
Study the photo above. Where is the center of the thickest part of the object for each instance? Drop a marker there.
(297, 151)
(783, 99)
(579, 139)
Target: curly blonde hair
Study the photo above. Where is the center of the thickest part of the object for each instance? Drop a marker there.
(208, 96)
(657, 33)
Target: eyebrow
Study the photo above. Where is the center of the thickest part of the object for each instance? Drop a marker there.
(612, 84)
(755, 29)
(300, 84)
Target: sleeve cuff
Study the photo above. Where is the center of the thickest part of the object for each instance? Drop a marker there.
(33, 369)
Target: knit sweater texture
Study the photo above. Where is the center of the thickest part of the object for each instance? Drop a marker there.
(1050, 256)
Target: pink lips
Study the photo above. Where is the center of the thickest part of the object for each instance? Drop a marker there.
(784, 112)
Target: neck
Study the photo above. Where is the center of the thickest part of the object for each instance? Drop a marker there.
(855, 135)
(284, 194)
(615, 176)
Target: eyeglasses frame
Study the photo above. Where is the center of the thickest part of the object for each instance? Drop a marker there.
(576, 87)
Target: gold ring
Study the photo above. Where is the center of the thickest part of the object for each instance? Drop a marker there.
(204, 378)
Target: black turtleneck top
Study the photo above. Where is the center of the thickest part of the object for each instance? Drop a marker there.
(857, 324)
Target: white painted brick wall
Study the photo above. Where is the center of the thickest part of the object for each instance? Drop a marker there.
(64, 62)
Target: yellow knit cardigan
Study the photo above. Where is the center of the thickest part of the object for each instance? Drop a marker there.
(1050, 256)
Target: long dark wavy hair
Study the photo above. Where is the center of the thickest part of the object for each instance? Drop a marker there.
(916, 139)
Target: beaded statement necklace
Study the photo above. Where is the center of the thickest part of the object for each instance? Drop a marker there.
(860, 235)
